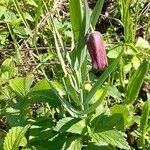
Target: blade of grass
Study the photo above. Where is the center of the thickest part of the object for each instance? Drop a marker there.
(96, 12)
(19, 10)
(76, 16)
(16, 46)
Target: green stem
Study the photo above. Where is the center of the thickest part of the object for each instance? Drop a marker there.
(16, 46)
(19, 10)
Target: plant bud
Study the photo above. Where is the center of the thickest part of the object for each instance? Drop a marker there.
(96, 48)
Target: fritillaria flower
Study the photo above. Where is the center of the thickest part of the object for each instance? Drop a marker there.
(96, 48)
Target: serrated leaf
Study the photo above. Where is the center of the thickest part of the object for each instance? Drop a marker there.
(112, 137)
(42, 92)
(21, 85)
(73, 125)
(40, 129)
(124, 111)
(103, 122)
(15, 138)
(13, 113)
(135, 83)
(144, 117)
(72, 143)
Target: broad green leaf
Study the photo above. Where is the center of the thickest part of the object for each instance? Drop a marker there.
(73, 125)
(92, 146)
(20, 31)
(42, 92)
(10, 17)
(103, 122)
(72, 143)
(96, 12)
(28, 16)
(56, 142)
(101, 80)
(43, 85)
(21, 85)
(40, 129)
(2, 11)
(7, 70)
(145, 117)
(15, 138)
(135, 83)
(76, 16)
(112, 137)
(123, 110)
(13, 113)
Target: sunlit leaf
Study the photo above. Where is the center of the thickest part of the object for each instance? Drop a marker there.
(135, 83)
(15, 138)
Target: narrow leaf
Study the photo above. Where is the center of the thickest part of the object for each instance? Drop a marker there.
(135, 83)
(96, 12)
(75, 16)
(97, 103)
(101, 80)
(144, 117)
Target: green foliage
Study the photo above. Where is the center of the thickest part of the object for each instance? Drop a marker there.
(51, 98)
(135, 83)
(73, 125)
(112, 137)
(21, 85)
(76, 16)
(96, 12)
(15, 138)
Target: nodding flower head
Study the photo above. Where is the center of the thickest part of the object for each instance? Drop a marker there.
(96, 48)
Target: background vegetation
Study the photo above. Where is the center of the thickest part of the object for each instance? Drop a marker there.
(51, 98)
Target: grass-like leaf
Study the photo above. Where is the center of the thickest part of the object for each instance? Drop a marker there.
(20, 12)
(96, 12)
(144, 122)
(76, 16)
(101, 80)
(135, 83)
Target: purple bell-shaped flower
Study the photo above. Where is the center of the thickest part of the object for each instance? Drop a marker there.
(96, 48)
